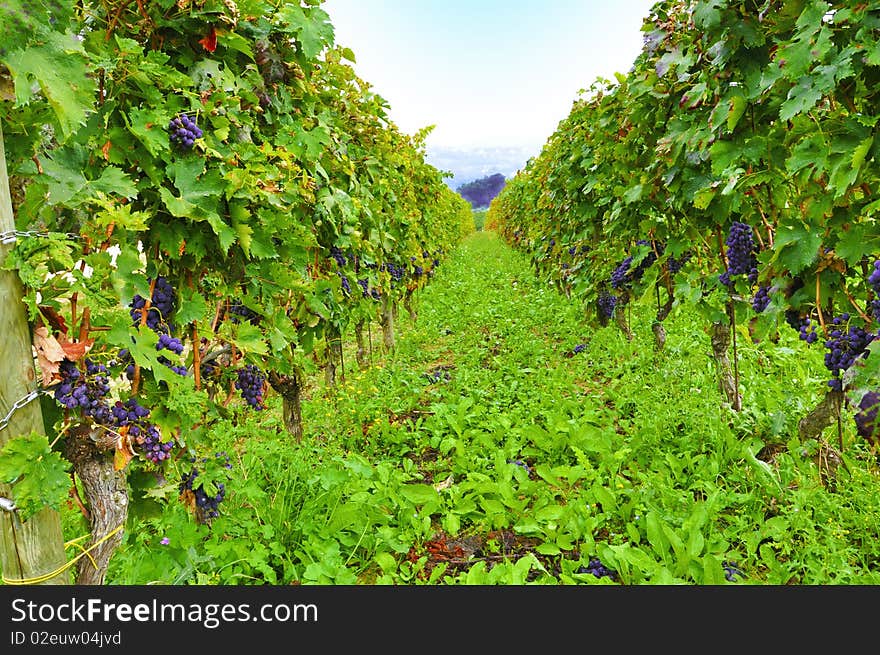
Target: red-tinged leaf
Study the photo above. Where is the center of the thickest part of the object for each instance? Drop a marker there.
(210, 41)
(123, 453)
(55, 319)
(50, 354)
(105, 150)
(188, 498)
(75, 350)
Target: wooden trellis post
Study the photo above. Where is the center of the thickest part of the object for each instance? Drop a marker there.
(31, 549)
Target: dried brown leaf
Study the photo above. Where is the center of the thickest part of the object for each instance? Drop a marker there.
(50, 354)
(75, 349)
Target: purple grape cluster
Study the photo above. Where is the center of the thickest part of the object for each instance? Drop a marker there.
(438, 376)
(209, 369)
(238, 312)
(844, 348)
(874, 277)
(208, 505)
(366, 291)
(183, 131)
(346, 285)
(741, 258)
(167, 342)
(581, 347)
(147, 437)
(337, 254)
(418, 271)
(874, 282)
(84, 391)
(623, 275)
(396, 272)
(364, 285)
(161, 305)
(151, 444)
(761, 299)
(807, 330)
(607, 303)
(866, 418)
(619, 276)
(598, 569)
(674, 265)
(251, 381)
(646, 262)
(731, 572)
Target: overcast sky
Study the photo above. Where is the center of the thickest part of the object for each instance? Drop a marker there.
(491, 75)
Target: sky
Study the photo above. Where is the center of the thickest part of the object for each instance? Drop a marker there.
(494, 77)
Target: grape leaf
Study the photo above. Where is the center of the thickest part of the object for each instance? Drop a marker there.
(50, 354)
(856, 242)
(797, 247)
(37, 473)
(58, 68)
(313, 32)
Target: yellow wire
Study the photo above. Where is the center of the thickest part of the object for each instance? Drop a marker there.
(85, 552)
(63, 568)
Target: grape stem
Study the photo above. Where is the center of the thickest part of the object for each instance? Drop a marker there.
(766, 225)
(720, 240)
(197, 359)
(732, 309)
(220, 305)
(82, 267)
(85, 325)
(74, 493)
(858, 309)
(819, 303)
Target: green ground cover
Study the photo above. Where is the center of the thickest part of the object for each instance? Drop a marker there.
(507, 441)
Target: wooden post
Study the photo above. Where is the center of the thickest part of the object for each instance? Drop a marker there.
(33, 548)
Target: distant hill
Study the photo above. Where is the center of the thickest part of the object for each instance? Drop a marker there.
(480, 192)
(463, 165)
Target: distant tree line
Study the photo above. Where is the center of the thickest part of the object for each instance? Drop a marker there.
(480, 192)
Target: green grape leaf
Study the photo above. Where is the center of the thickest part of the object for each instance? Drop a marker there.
(803, 96)
(797, 246)
(859, 240)
(706, 14)
(149, 126)
(248, 338)
(37, 473)
(192, 307)
(58, 68)
(313, 31)
(114, 181)
(738, 105)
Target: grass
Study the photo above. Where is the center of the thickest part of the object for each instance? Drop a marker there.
(484, 451)
(480, 219)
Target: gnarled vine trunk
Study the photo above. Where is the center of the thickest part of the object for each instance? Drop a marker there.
(361, 352)
(334, 356)
(290, 389)
(659, 335)
(622, 321)
(106, 496)
(721, 337)
(657, 328)
(410, 308)
(821, 416)
(386, 318)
